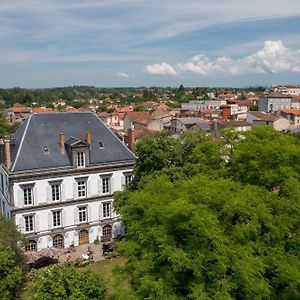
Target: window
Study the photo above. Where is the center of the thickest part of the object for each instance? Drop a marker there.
(80, 159)
(128, 178)
(55, 192)
(45, 149)
(58, 241)
(82, 213)
(101, 146)
(106, 209)
(31, 246)
(81, 188)
(106, 231)
(105, 185)
(28, 197)
(56, 216)
(29, 223)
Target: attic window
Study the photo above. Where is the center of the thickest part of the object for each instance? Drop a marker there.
(101, 146)
(46, 149)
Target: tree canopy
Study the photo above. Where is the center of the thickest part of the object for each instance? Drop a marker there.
(214, 219)
(65, 282)
(11, 259)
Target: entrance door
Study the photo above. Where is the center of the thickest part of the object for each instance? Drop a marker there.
(83, 236)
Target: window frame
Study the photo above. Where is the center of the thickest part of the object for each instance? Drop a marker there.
(28, 193)
(83, 210)
(80, 159)
(106, 185)
(57, 215)
(54, 192)
(81, 188)
(106, 209)
(30, 224)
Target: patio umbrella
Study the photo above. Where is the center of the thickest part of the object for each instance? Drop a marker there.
(32, 256)
(50, 252)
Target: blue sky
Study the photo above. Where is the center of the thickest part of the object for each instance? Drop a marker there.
(46, 43)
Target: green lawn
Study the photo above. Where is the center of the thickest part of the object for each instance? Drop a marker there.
(104, 267)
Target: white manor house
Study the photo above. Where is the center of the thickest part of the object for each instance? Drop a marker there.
(58, 175)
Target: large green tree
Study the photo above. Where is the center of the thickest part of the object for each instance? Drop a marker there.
(211, 239)
(67, 283)
(266, 158)
(11, 259)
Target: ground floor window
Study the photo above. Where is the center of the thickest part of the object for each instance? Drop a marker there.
(83, 236)
(106, 232)
(58, 241)
(31, 246)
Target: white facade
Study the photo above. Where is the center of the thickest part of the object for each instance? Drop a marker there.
(203, 104)
(98, 204)
(71, 201)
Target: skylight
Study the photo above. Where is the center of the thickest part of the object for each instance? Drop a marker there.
(46, 149)
(101, 146)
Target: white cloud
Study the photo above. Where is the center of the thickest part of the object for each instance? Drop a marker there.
(123, 75)
(160, 69)
(273, 58)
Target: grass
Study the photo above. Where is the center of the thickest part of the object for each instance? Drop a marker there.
(104, 267)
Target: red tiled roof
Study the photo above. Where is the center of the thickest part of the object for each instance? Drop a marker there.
(142, 132)
(141, 117)
(17, 109)
(291, 111)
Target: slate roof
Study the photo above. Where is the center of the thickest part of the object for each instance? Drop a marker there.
(41, 130)
(261, 116)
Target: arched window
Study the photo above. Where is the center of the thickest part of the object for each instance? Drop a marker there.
(58, 241)
(83, 236)
(31, 246)
(106, 232)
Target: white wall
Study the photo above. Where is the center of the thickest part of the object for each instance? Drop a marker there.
(44, 206)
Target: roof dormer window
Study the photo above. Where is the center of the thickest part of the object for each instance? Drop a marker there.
(45, 149)
(101, 146)
(80, 159)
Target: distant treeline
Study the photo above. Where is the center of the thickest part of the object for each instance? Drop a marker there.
(49, 95)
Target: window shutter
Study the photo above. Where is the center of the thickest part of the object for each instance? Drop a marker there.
(22, 224)
(63, 192)
(122, 182)
(100, 211)
(112, 187)
(75, 190)
(100, 186)
(113, 212)
(36, 199)
(20, 196)
(37, 223)
(64, 217)
(50, 220)
(88, 188)
(89, 218)
(76, 217)
(48, 193)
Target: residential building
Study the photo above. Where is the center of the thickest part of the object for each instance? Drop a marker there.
(274, 102)
(203, 104)
(239, 126)
(257, 118)
(58, 174)
(179, 125)
(291, 114)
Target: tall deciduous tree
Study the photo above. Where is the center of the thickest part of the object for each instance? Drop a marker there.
(61, 283)
(266, 158)
(211, 239)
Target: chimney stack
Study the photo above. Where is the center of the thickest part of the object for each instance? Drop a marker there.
(7, 154)
(62, 142)
(226, 112)
(131, 137)
(88, 137)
